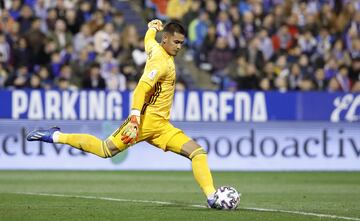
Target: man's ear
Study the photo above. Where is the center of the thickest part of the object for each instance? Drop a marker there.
(164, 38)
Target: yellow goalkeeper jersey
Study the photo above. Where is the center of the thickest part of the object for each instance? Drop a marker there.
(160, 74)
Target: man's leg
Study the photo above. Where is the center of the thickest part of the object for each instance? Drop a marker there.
(86, 142)
(182, 144)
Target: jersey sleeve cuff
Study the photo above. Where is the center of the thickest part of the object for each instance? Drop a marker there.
(135, 112)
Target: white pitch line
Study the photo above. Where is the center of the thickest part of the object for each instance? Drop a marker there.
(194, 205)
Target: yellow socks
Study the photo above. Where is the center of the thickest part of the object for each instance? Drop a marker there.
(202, 174)
(85, 142)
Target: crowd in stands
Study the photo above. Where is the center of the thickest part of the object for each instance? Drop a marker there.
(280, 45)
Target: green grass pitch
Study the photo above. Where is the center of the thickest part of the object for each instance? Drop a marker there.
(130, 195)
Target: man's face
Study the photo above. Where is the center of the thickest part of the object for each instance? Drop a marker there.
(173, 43)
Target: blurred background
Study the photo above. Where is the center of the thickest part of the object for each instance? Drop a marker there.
(262, 84)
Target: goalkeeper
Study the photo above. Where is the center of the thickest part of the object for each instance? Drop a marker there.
(149, 117)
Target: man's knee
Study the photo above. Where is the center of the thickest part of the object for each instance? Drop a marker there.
(191, 149)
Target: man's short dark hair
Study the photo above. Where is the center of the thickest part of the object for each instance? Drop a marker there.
(174, 26)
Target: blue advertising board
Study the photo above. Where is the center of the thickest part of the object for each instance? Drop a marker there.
(198, 106)
(322, 146)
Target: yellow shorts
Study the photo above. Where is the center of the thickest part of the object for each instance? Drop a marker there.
(156, 131)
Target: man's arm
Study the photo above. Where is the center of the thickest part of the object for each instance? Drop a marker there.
(139, 95)
(149, 40)
(131, 131)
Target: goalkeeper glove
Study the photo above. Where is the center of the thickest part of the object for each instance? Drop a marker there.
(131, 131)
(157, 24)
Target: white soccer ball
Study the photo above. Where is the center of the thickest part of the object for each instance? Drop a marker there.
(227, 198)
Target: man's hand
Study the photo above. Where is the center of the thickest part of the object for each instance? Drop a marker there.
(157, 24)
(131, 131)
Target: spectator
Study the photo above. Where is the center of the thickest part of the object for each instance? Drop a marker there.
(71, 21)
(80, 65)
(3, 75)
(25, 19)
(250, 81)
(219, 59)
(22, 55)
(265, 84)
(40, 11)
(97, 21)
(282, 40)
(192, 13)
(269, 73)
(324, 41)
(36, 41)
(177, 8)
(354, 72)
(295, 78)
(254, 55)
(198, 30)
(103, 38)
(139, 55)
(55, 64)
(307, 43)
(334, 85)
(129, 39)
(67, 54)
(209, 42)
(115, 46)
(331, 68)
(15, 9)
(107, 10)
(67, 73)
(343, 78)
(306, 84)
(51, 19)
(115, 80)
(119, 21)
(281, 67)
(220, 56)
(4, 49)
(340, 54)
(34, 82)
(223, 25)
(61, 36)
(82, 38)
(265, 45)
(320, 81)
(63, 84)
(236, 40)
(18, 79)
(93, 79)
(84, 12)
(6, 21)
(281, 84)
(234, 14)
(356, 87)
(212, 9)
(107, 62)
(305, 66)
(248, 27)
(45, 77)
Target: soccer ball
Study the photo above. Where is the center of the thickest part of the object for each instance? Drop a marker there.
(227, 198)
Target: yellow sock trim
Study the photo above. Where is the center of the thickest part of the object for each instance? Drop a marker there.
(86, 142)
(195, 152)
(202, 173)
(105, 149)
